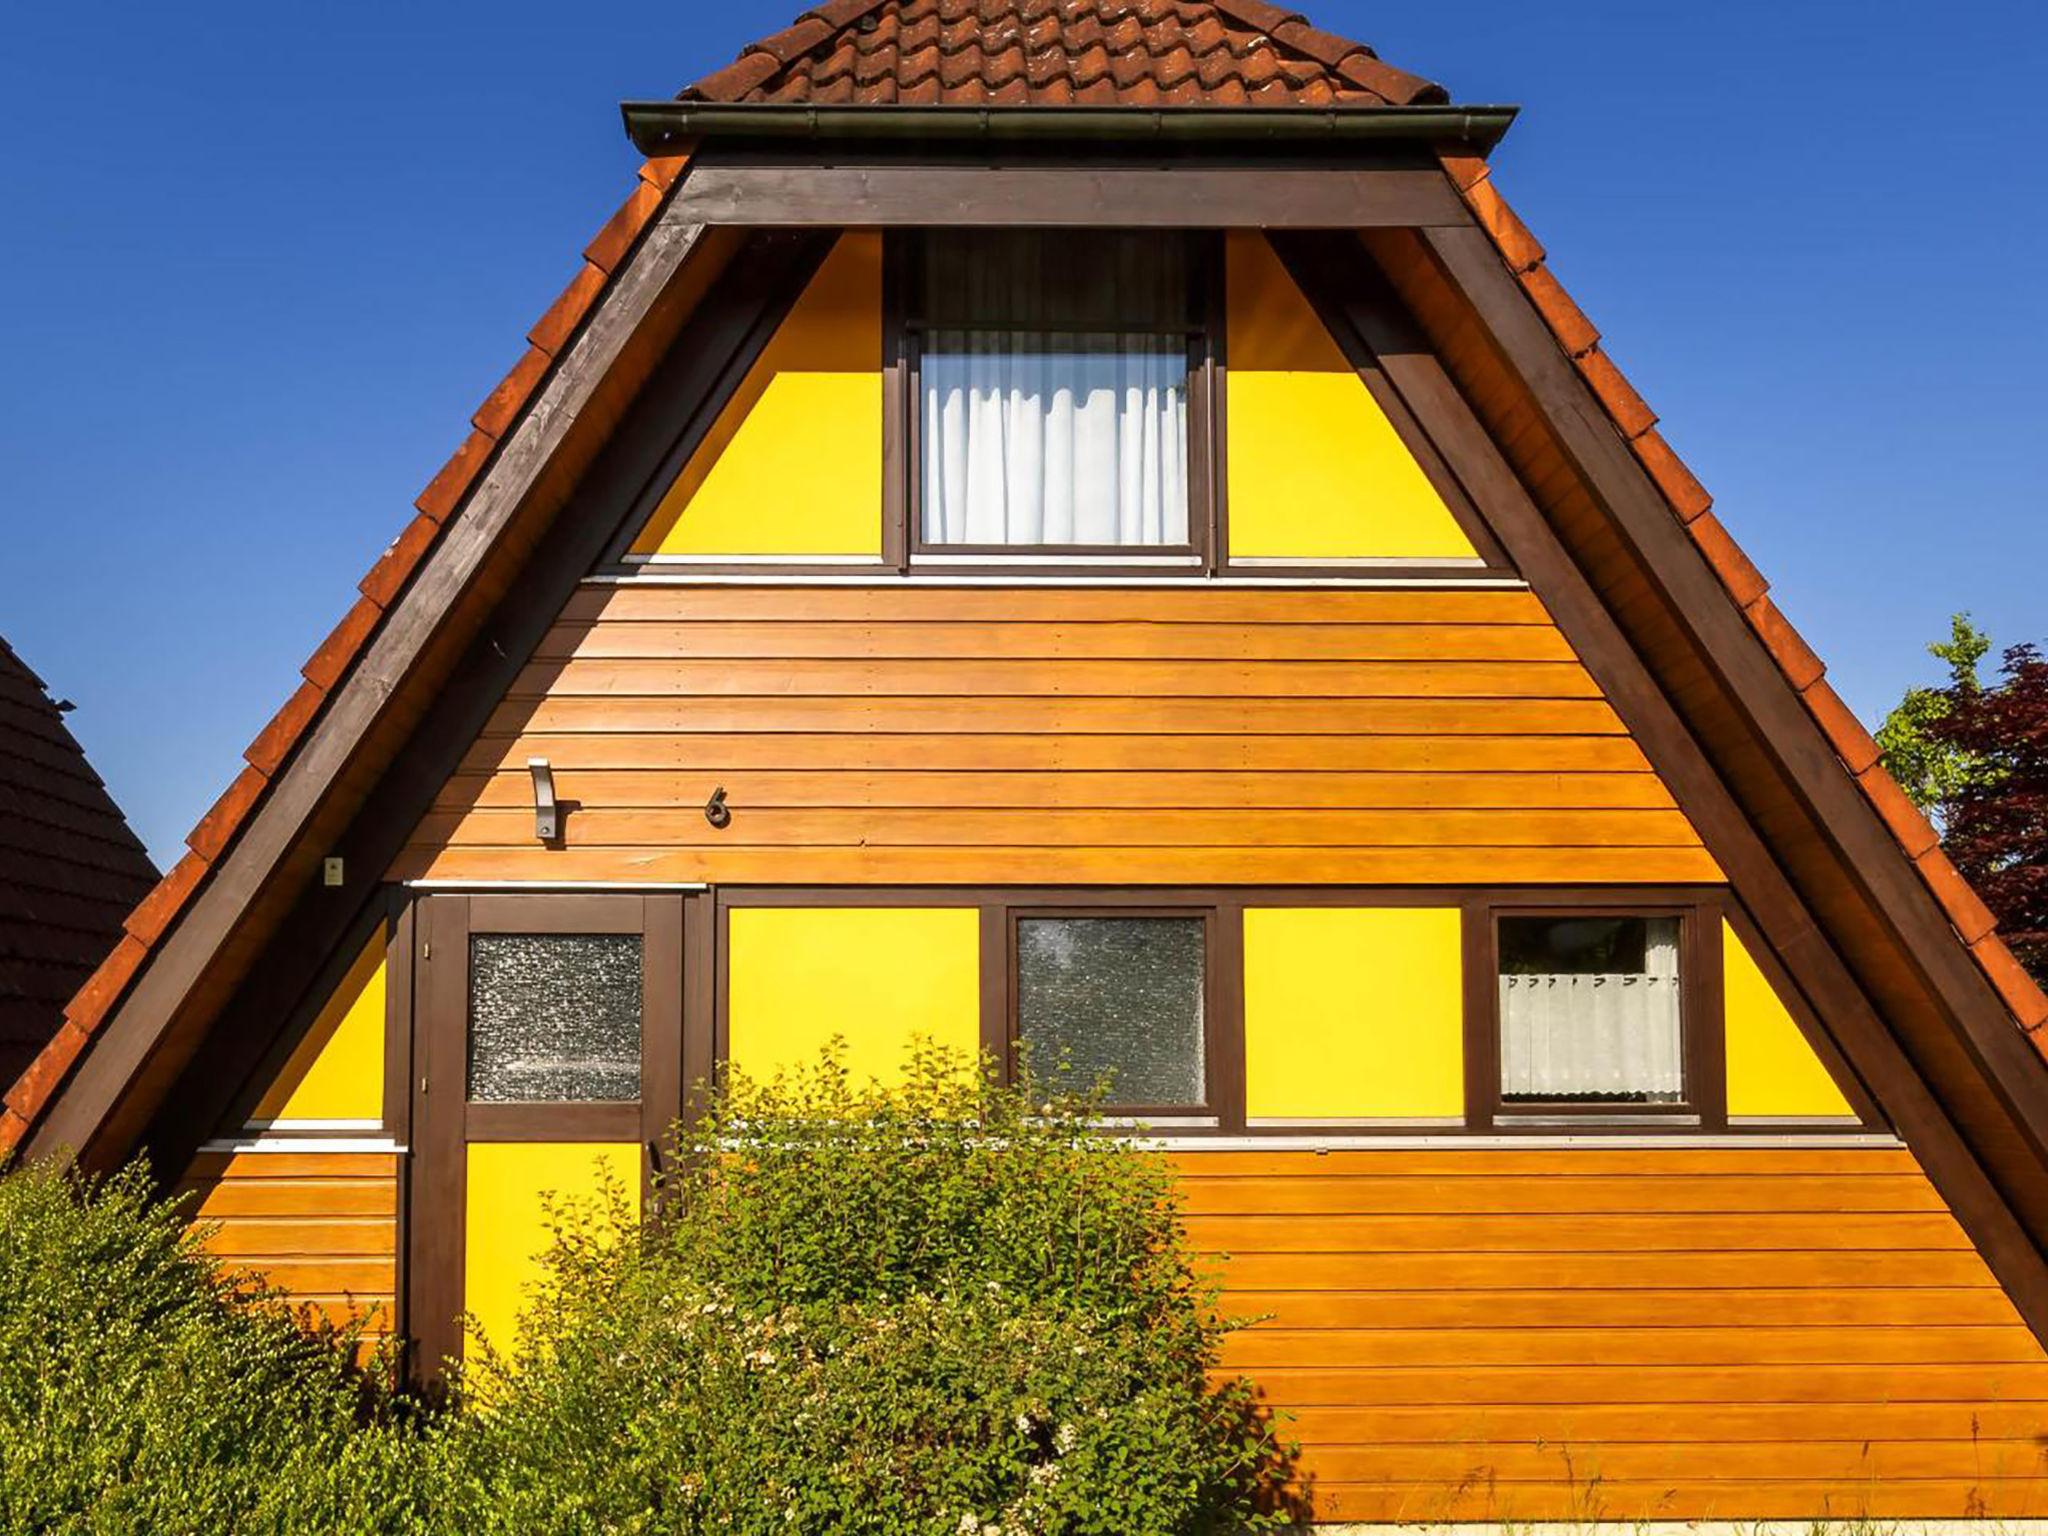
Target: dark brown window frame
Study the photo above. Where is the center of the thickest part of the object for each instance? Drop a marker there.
(904, 556)
(1203, 329)
(1703, 907)
(1702, 1020)
(1221, 1046)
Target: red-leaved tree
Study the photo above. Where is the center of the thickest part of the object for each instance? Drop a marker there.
(1995, 821)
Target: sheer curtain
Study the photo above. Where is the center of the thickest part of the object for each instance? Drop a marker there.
(1054, 387)
(1045, 438)
(1581, 1035)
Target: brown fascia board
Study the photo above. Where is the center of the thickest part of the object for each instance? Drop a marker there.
(1926, 879)
(1886, 848)
(269, 832)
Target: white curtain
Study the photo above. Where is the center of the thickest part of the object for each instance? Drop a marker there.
(1579, 1036)
(1038, 438)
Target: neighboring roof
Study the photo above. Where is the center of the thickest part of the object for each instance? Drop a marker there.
(1137, 53)
(1802, 668)
(69, 866)
(1147, 44)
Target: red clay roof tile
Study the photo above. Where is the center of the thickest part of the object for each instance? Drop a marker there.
(217, 828)
(52, 1065)
(274, 743)
(1972, 919)
(1027, 52)
(324, 667)
(610, 245)
(1854, 745)
(154, 914)
(551, 332)
(1688, 498)
(387, 578)
(1629, 411)
(2021, 993)
(444, 493)
(503, 404)
(1914, 831)
(1567, 322)
(1745, 583)
(1517, 245)
(89, 1005)
(1795, 658)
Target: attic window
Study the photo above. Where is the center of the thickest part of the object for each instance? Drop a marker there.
(1053, 393)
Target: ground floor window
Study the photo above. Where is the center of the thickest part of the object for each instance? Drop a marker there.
(1289, 1010)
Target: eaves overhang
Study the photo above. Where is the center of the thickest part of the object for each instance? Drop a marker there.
(660, 128)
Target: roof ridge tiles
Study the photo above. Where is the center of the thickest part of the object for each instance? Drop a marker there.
(1219, 52)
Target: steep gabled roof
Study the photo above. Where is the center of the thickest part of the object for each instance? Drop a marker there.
(1120, 53)
(1027, 52)
(70, 868)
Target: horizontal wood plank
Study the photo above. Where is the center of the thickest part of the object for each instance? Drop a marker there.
(806, 828)
(1009, 639)
(1092, 715)
(1313, 1194)
(1616, 1307)
(1043, 865)
(911, 789)
(916, 601)
(701, 751)
(1268, 1345)
(1851, 1268)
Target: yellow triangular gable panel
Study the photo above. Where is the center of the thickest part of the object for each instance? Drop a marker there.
(337, 1071)
(1316, 470)
(793, 465)
(1773, 1073)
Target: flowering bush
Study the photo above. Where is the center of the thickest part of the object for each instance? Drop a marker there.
(143, 1390)
(937, 1309)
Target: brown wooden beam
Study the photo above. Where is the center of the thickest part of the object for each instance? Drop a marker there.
(154, 1029)
(1132, 197)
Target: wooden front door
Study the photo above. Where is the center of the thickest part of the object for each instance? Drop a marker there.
(548, 1057)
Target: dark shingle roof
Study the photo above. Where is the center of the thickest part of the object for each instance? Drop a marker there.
(70, 868)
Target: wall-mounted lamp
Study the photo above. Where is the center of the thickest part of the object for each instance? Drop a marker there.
(547, 818)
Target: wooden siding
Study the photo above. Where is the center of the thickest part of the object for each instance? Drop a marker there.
(946, 735)
(320, 1226)
(1636, 1334)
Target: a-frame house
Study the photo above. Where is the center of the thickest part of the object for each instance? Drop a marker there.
(1091, 523)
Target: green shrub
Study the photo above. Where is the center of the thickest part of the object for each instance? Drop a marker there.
(939, 1310)
(141, 1390)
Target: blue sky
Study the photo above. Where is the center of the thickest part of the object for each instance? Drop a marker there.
(262, 261)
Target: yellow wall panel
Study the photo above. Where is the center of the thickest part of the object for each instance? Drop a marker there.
(506, 1228)
(337, 1072)
(793, 465)
(1772, 1071)
(1354, 1013)
(1316, 470)
(881, 977)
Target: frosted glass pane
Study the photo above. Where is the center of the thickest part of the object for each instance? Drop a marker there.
(554, 1016)
(1118, 997)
